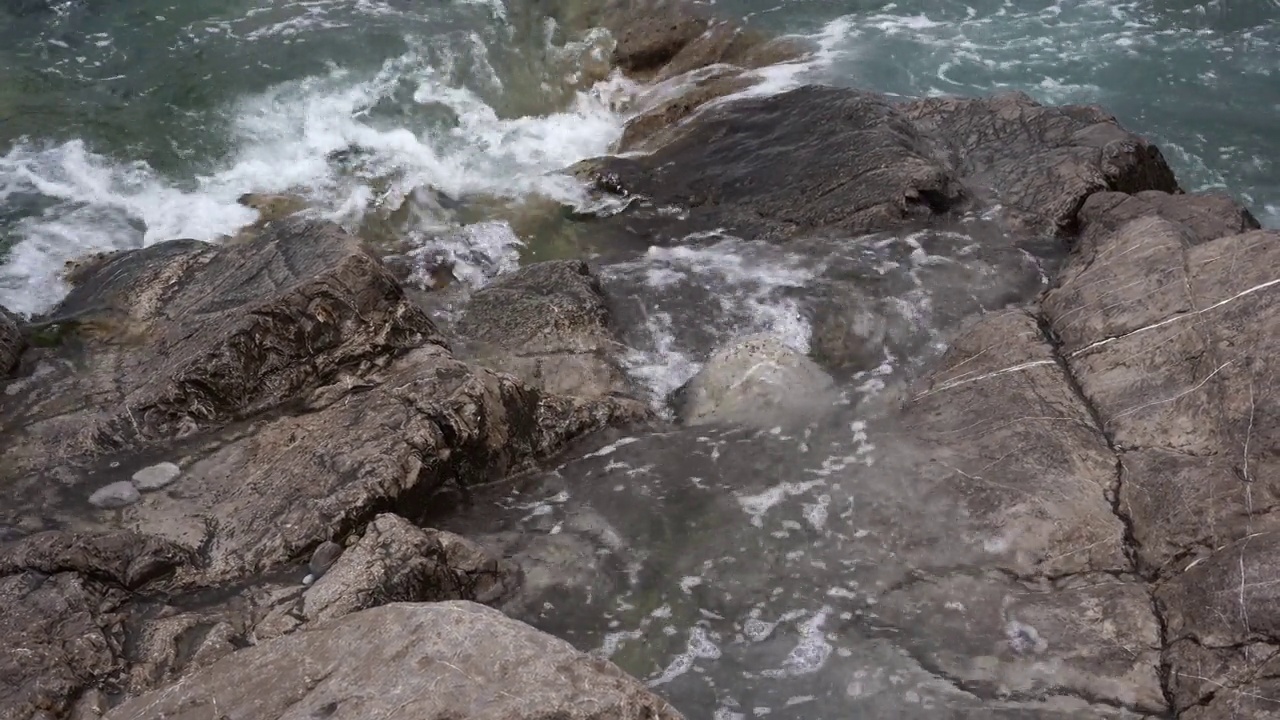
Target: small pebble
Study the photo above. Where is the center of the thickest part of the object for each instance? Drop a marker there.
(115, 495)
(308, 579)
(156, 476)
(323, 558)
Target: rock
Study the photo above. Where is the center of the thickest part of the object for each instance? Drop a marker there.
(272, 206)
(1165, 317)
(325, 555)
(647, 41)
(653, 127)
(115, 495)
(12, 343)
(882, 165)
(255, 500)
(222, 333)
(1208, 216)
(661, 39)
(450, 659)
(397, 562)
(1041, 162)
(66, 598)
(756, 381)
(62, 633)
(126, 559)
(173, 643)
(959, 557)
(872, 170)
(548, 324)
(156, 476)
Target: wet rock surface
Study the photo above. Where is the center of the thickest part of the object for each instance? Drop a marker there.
(265, 399)
(1007, 447)
(881, 164)
(475, 662)
(758, 380)
(549, 324)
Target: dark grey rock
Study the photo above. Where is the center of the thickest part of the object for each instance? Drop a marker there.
(872, 170)
(154, 477)
(855, 162)
(323, 558)
(548, 324)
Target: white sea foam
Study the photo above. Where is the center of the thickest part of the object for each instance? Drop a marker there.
(723, 287)
(285, 140)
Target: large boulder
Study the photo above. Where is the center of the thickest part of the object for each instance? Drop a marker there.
(548, 324)
(406, 661)
(1166, 318)
(754, 166)
(820, 159)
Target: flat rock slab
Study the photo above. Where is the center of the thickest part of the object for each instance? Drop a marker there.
(406, 662)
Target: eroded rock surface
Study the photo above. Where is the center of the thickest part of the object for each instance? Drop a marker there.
(298, 393)
(548, 324)
(402, 661)
(882, 165)
(1165, 319)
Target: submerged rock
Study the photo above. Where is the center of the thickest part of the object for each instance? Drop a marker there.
(115, 495)
(549, 324)
(756, 381)
(156, 476)
(405, 661)
(853, 162)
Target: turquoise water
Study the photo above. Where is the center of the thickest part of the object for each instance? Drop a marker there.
(130, 122)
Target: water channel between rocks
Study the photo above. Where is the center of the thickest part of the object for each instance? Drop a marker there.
(740, 570)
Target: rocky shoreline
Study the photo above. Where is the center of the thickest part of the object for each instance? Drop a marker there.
(1066, 513)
